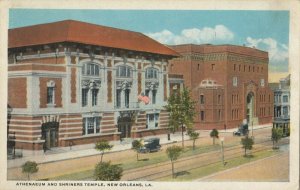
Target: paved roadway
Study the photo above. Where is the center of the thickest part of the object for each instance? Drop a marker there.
(60, 167)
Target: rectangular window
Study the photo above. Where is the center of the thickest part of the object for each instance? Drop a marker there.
(202, 115)
(285, 111)
(198, 67)
(219, 99)
(239, 67)
(127, 94)
(201, 99)
(154, 96)
(212, 67)
(147, 93)
(234, 67)
(84, 97)
(262, 82)
(90, 125)
(50, 95)
(95, 97)
(118, 98)
(234, 81)
(285, 99)
(219, 115)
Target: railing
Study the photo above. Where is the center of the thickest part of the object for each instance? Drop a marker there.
(130, 105)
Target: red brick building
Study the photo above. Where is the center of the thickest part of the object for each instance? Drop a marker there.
(229, 83)
(73, 83)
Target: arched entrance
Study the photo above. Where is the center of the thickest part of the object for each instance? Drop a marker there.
(50, 134)
(250, 107)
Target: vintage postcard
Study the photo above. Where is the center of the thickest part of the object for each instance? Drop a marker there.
(150, 95)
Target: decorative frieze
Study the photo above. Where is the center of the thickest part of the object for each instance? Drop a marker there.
(221, 57)
(91, 84)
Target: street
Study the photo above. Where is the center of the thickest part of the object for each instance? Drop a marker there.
(58, 168)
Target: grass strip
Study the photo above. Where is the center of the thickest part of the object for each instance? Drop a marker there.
(217, 167)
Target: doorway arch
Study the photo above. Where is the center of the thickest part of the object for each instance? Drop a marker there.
(50, 134)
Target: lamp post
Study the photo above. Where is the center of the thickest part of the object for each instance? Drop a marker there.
(222, 149)
(252, 130)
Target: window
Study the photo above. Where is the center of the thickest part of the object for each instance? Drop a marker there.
(124, 71)
(94, 97)
(219, 115)
(219, 99)
(50, 95)
(198, 67)
(152, 121)
(244, 68)
(234, 67)
(212, 67)
(285, 98)
(285, 111)
(201, 99)
(91, 125)
(84, 97)
(118, 98)
(151, 73)
(262, 82)
(253, 69)
(234, 81)
(90, 69)
(154, 96)
(249, 68)
(239, 67)
(127, 94)
(202, 115)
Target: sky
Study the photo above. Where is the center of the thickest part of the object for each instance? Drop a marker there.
(264, 30)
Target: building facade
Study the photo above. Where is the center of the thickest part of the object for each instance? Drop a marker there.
(282, 105)
(73, 83)
(229, 84)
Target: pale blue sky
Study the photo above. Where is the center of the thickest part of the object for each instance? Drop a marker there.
(266, 30)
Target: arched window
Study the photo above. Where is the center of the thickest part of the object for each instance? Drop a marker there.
(151, 73)
(124, 71)
(90, 69)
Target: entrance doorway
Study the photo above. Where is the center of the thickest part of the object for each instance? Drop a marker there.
(250, 107)
(124, 126)
(50, 135)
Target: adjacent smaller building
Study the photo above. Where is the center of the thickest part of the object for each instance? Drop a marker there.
(282, 105)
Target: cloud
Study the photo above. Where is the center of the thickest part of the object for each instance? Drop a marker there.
(219, 33)
(278, 53)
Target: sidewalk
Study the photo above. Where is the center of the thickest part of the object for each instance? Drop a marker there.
(66, 153)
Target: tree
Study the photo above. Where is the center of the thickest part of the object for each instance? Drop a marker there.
(247, 144)
(102, 146)
(30, 168)
(276, 136)
(137, 145)
(182, 110)
(173, 153)
(193, 136)
(214, 134)
(104, 171)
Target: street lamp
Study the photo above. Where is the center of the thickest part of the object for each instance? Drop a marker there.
(252, 130)
(222, 149)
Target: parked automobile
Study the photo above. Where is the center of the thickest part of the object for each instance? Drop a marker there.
(150, 145)
(242, 130)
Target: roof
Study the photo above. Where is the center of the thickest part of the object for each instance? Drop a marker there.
(85, 33)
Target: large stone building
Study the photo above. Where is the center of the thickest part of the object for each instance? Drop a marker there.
(282, 105)
(73, 83)
(229, 83)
